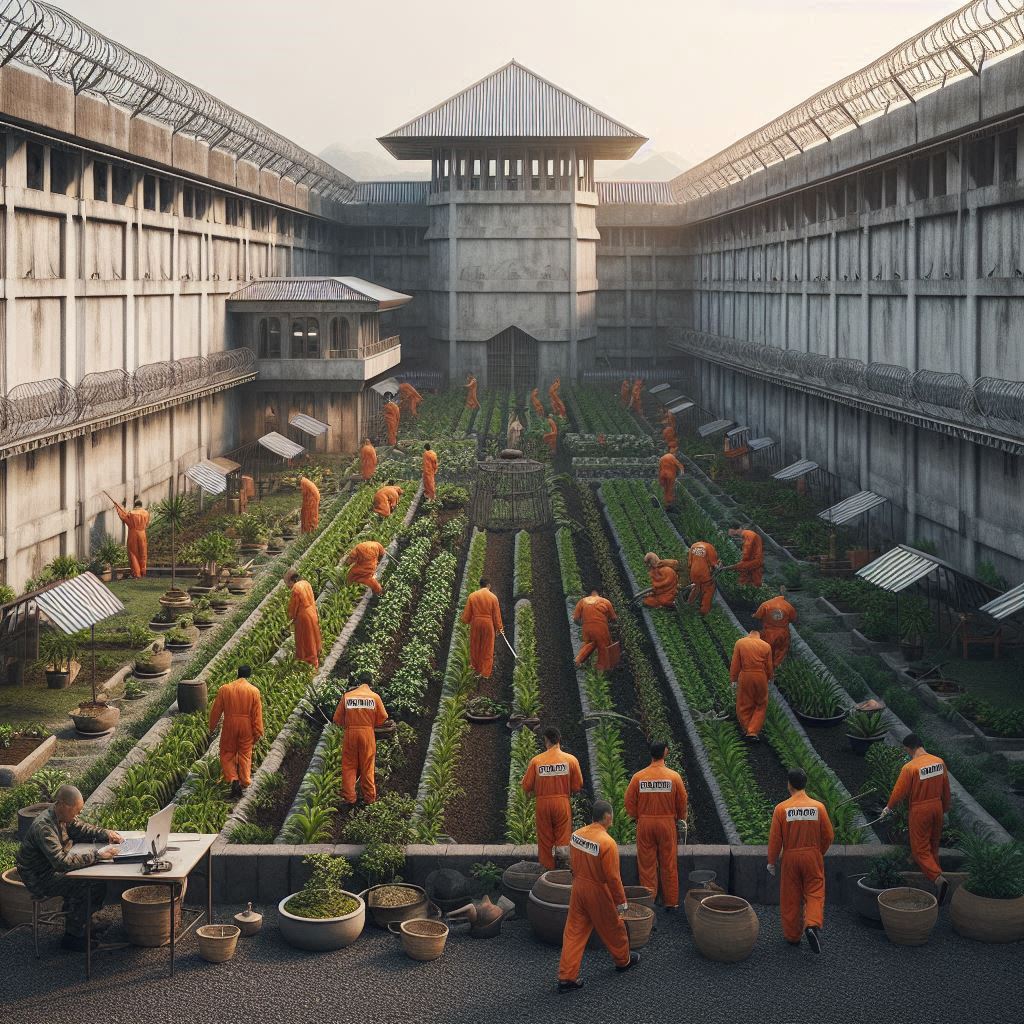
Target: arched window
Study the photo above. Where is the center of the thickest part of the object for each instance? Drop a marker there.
(274, 339)
(262, 335)
(305, 338)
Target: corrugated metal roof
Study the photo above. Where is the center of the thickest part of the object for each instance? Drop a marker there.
(280, 445)
(898, 569)
(758, 444)
(658, 388)
(319, 289)
(389, 193)
(736, 431)
(1005, 604)
(385, 387)
(226, 465)
(78, 603)
(681, 406)
(207, 475)
(797, 469)
(849, 508)
(656, 193)
(512, 103)
(714, 427)
(672, 395)
(308, 425)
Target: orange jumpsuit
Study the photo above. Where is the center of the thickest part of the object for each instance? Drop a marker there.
(385, 500)
(483, 614)
(671, 439)
(751, 670)
(656, 800)
(924, 782)
(801, 832)
(552, 777)
(392, 418)
(751, 563)
(367, 462)
(535, 401)
(138, 546)
(557, 405)
(668, 419)
(303, 614)
(358, 712)
(364, 558)
(596, 892)
(472, 402)
(665, 581)
(634, 402)
(594, 613)
(775, 616)
(624, 393)
(242, 707)
(551, 437)
(669, 467)
(429, 474)
(701, 560)
(310, 505)
(409, 399)
(246, 491)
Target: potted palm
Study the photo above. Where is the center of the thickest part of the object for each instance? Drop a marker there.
(174, 512)
(211, 551)
(109, 555)
(58, 654)
(323, 915)
(915, 619)
(864, 728)
(252, 534)
(989, 906)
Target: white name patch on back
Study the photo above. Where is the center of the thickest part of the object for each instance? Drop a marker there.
(930, 771)
(552, 769)
(655, 785)
(801, 814)
(360, 703)
(584, 845)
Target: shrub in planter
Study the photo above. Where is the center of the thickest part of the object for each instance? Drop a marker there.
(134, 690)
(323, 915)
(211, 551)
(109, 555)
(815, 698)
(864, 728)
(884, 872)
(989, 906)
(153, 661)
(178, 639)
(58, 654)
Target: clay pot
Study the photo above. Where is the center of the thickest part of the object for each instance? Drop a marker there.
(640, 895)
(865, 899)
(693, 897)
(518, 880)
(383, 916)
(985, 919)
(217, 942)
(725, 928)
(152, 664)
(908, 915)
(422, 940)
(548, 906)
(248, 921)
(447, 888)
(192, 695)
(488, 920)
(639, 922)
(100, 719)
(16, 903)
(26, 815)
(144, 914)
(321, 934)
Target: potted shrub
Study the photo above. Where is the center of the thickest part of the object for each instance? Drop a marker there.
(276, 544)
(240, 579)
(182, 636)
(174, 512)
(864, 728)
(58, 657)
(252, 534)
(154, 661)
(989, 906)
(813, 698)
(884, 872)
(211, 551)
(203, 616)
(793, 575)
(109, 555)
(481, 710)
(134, 690)
(915, 620)
(323, 915)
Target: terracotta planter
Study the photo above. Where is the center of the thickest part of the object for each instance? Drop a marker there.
(725, 928)
(193, 695)
(217, 942)
(26, 815)
(640, 895)
(321, 934)
(422, 940)
(860, 744)
(99, 719)
(153, 664)
(240, 584)
(548, 906)
(15, 901)
(908, 915)
(985, 919)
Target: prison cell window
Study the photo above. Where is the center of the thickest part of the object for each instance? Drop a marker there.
(982, 162)
(918, 178)
(100, 180)
(149, 192)
(939, 186)
(1008, 155)
(34, 158)
(123, 182)
(166, 195)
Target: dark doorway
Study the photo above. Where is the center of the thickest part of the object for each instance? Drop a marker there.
(512, 360)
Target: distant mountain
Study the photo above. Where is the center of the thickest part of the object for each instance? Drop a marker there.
(369, 161)
(648, 165)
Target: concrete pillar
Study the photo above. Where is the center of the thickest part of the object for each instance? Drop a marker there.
(910, 287)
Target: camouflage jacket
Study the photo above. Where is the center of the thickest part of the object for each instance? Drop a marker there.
(45, 851)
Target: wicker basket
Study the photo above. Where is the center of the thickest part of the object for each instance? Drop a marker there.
(145, 914)
(217, 942)
(639, 920)
(422, 939)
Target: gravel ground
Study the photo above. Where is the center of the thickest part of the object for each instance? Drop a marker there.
(859, 976)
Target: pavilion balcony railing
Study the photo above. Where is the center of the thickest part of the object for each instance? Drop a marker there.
(44, 405)
(988, 403)
(374, 348)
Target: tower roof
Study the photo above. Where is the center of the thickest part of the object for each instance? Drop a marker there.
(513, 103)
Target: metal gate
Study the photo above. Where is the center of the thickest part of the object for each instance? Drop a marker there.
(512, 360)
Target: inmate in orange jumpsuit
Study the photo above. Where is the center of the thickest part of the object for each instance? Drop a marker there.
(624, 393)
(138, 546)
(551, 437)
(801, 832)
(364, 558)
(596, 892)
(775, 616)
(924, 782)
(310, 505)
(367, 461)
(751, 670)
(392, 418)
(304, 617)
(594, 613)
(429, 474)
(701, 560)
(557, 405)
(483, 614)
(242, 707)
(669, 467)
(246, 491)
(751, 563)
(656, 800)
(552, 777)
(358, 712)
(665, 580)
(409, 399)
(668, 419)
(670, 438)
(538, 406)
(472, 402)
(385, 500)
(634, 402)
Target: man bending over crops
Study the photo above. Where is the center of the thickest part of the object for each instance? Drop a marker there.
(409, 399)
(751, 563)
(363, 559)
(669, 467)
(664, 581)
(241, 706)
(305, 620)
(594, 613)
(775, 616)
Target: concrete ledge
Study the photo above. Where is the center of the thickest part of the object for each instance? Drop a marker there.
(14, 775)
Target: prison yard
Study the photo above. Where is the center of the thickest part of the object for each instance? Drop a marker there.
(528, 594)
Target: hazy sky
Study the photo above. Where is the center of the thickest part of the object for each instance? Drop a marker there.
(692, 76)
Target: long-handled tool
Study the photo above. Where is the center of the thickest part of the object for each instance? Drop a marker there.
(509, 646)
(858, 796)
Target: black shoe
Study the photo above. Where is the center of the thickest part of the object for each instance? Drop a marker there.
(570, 986)
(943, 890)
(634, 959)
(236, 789)
(813, 939)
(671, 910)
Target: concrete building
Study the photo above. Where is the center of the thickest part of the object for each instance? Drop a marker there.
(847, 280)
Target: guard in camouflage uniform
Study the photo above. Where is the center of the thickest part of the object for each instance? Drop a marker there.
(44, 859)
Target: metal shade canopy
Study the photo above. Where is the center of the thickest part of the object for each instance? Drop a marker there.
(209, 476)
(795, 470)
(900, 568)
(1005, 604)
(76, 604)
(850, 508)
(736, 431)
(758, 444)
(680, 406)
(385, 387)
(280, 445)
(658, 388)
(715, 427)
(308, 425)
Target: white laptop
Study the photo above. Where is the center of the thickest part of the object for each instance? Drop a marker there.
(158, 830)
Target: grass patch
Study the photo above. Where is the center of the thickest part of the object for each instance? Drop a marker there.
(995, 681)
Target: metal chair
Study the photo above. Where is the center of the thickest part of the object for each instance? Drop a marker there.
(39, 917)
